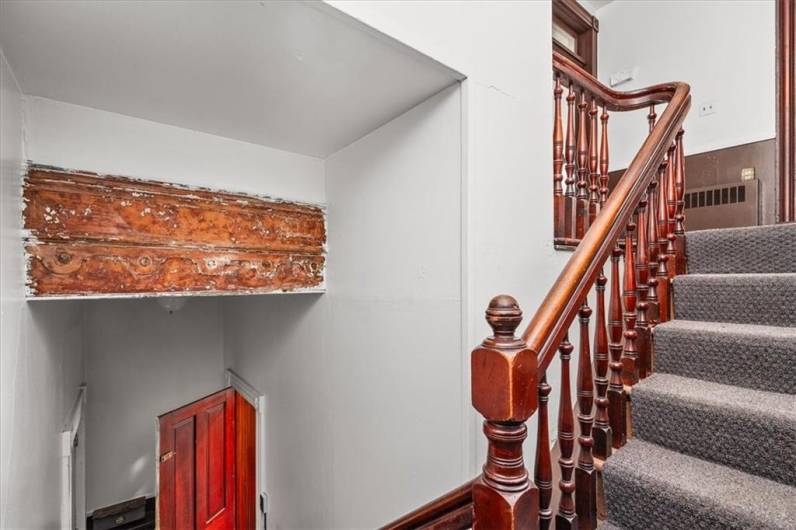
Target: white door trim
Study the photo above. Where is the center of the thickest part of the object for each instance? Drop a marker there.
(68, 489)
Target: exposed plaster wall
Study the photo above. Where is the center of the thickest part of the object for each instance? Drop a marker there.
(41, 362)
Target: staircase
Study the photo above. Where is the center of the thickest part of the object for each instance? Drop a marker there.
(714, 441)
(694, 333)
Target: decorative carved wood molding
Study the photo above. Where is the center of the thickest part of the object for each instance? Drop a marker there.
(91, 235)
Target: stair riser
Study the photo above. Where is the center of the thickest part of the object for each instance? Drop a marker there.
(641, 505)
(765, 300)
(728, 436)
(744, 250)
(751, 361)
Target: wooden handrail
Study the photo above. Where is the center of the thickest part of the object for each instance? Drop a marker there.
(509, 381)
(452, 510)
(557, 311)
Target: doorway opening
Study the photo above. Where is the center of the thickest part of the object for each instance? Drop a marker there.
(207, 461)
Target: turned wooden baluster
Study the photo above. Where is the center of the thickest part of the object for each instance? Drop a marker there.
(642, 290)
(601, 432)
(501, 369)
(671, 212)
(679, 216)
(582, 206)
(594, 188)
(664, 263)
(543, 470)
(630, 353)
(585, 475)
(653, 304)
(558, 165)
(604, 157)
(566, 518)
(617, 411)
(569, 191)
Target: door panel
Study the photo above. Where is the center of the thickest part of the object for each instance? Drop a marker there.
(197, 465)
(245, 458)
(183, 458)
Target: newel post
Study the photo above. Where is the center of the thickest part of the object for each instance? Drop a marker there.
(504, 384)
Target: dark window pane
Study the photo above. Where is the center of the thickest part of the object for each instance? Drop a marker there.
(725, 195)
(733, 195)
(741, 193)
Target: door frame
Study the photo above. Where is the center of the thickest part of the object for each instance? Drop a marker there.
(257, 400)
(786, 108)
(73, 495)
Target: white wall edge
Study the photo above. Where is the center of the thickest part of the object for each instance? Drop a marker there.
(67, 458)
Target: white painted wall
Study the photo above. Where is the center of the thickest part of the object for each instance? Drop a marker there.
(723, 49)
(363, 384)
(41, 361)
(504, 48)
(75, 137)
(368, 385)
(141, 362)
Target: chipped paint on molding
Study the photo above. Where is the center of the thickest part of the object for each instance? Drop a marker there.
(106, 236)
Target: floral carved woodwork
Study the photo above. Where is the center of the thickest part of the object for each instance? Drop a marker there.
(91, 235)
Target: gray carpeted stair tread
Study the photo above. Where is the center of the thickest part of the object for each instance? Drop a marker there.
(742, 250)
(747, 355)
(766, 299)
(650, 487)
(607, 525)
(751, 430)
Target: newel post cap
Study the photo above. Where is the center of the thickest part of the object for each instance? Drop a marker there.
(503, 369)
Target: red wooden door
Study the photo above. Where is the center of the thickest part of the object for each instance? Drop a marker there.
(197, 465)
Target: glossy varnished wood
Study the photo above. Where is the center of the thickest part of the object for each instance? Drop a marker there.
(543, 469)
(679, 215)
(452, 511)
(504, 391)
(557, 311)
(601, 432)
(582, 197)
(786, 110)
(585, 474)
(245, 463)
(558, 164)
(594, 176)
(570, 153)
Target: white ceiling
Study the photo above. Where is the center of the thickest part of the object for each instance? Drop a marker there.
(298, 76)
(598, 4)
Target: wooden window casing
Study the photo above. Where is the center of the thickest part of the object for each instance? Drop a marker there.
(575, 33)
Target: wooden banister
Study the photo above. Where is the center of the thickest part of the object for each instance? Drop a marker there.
(556, 313)
(642, 218)
(454, 508)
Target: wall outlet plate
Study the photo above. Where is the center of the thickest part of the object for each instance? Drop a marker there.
(707, 108)
(622, 76)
